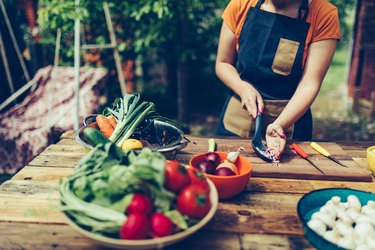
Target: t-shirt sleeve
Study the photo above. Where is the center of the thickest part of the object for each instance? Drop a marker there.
(231, 13)
(328, 27)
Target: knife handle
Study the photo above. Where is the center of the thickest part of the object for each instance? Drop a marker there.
(300, 151)
(320, 149)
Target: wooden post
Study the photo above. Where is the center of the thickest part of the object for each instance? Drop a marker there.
(14, 41)
(356, 100)
(116, 54)
(57, 48)
(77, 65)
(6, 66)
(372, 107)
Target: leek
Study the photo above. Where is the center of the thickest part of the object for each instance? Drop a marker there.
(130, 113)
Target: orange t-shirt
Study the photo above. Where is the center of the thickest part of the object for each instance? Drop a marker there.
(323, 19)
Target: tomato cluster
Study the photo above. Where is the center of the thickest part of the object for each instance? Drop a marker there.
(192, 190)
(140, 225)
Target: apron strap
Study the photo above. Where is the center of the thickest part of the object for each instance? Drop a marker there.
(304, 7)
(259, 3)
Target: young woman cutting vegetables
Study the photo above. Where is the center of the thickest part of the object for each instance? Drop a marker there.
(283, 49)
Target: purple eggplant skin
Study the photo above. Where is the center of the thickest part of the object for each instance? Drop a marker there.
(224, 172)
(207, 167)
(213, 157)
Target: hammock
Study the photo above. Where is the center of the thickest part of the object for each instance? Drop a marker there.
(30, 126)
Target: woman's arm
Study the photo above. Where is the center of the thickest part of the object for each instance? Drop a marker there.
(227, 73)
(317, 63)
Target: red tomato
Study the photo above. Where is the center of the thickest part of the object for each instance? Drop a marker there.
(140, 204)
(136, 227)
(198, 178)
(194, 202)
(161, 225)
(176, 176)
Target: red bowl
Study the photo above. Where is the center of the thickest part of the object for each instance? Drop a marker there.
(227, 186)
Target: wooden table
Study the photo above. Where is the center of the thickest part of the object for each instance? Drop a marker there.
(263, 217)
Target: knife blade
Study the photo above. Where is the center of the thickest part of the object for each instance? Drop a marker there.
(324, 152)
(305, 156)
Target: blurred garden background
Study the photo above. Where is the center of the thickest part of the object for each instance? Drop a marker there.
(168, 50)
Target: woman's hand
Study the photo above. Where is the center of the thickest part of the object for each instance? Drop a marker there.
(251, 100)
(227, 72)
(276, 139)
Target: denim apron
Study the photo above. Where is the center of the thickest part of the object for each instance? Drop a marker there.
(270, 56)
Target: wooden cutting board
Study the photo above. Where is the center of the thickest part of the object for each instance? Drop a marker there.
(292, 166)
(295, 167)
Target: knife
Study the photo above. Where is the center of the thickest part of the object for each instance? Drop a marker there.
(305, 156)
(324, 152)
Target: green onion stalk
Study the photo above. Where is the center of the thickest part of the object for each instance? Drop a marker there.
(129, 114)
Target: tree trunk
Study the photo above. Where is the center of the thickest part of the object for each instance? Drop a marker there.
(183, 69)
(182, 85)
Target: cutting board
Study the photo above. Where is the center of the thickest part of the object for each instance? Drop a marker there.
(292, 166)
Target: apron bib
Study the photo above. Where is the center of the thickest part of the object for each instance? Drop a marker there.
(270, 57)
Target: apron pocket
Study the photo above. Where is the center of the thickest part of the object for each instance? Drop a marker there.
(236, 119)
(272, 110)
(285, 55)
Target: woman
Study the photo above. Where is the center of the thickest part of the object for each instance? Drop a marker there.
(283, 49)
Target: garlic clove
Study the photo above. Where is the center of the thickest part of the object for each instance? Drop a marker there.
(371, 204)
(344, 205)
(353, 213)
(344, 229)
(346, 242)
(354, 202)
(363, 230)
(331, 236)
(336, 200)
(368, 210)
(344, 217)
(325, 218)
(363, 218)
(318, 226)
(364, 247)
(233, 156)
(370, 240)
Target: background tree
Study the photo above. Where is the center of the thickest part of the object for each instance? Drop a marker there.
(180, 35)
(173, 43)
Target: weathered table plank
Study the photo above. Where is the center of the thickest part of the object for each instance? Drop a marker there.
(44, 174)
(17, 236)
(263, 216)
(15, 209)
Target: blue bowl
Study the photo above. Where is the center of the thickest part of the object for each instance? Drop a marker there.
(313, 201)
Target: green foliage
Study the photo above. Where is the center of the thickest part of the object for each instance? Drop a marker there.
(131, 19)
(142, 26)
(346, 14)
